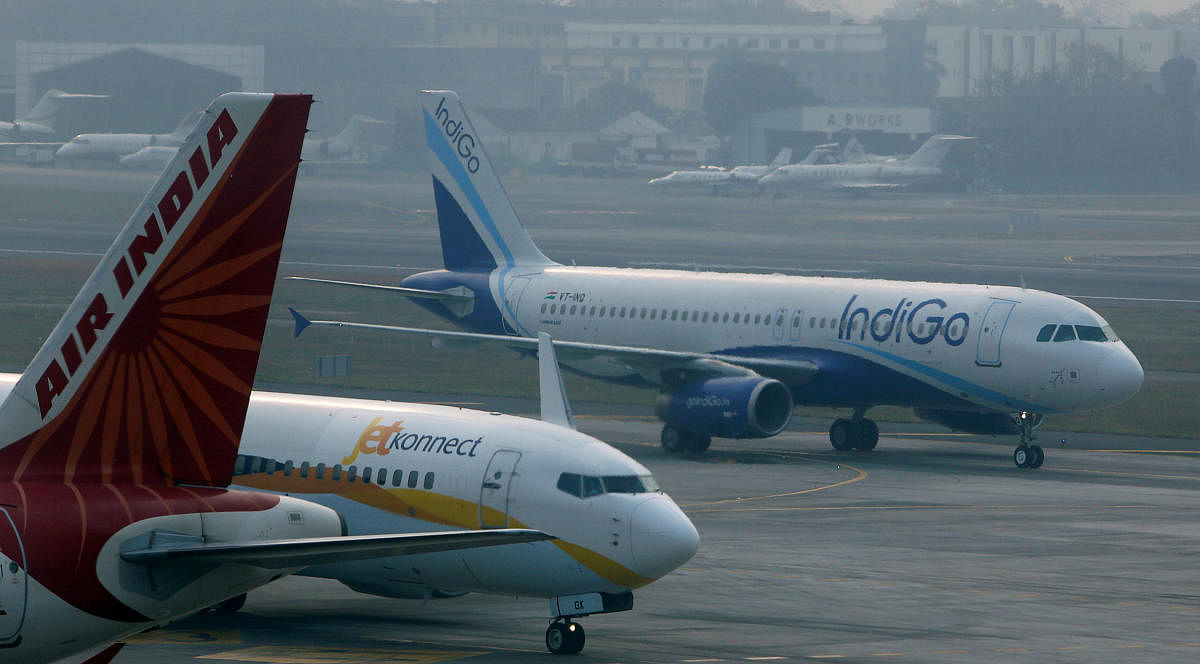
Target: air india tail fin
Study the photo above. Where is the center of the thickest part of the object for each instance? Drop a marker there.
(147, 377)
(479, 228)
(934, 150)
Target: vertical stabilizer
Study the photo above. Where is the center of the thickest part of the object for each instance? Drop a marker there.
(933, 151)
(147, 377)
(782, 159)
(478, 226)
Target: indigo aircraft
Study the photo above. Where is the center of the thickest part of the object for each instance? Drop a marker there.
(732, 353)
(119, 439)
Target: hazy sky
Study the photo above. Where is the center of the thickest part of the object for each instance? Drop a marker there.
(868, 8)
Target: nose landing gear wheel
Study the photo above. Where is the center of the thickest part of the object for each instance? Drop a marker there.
(565, 638)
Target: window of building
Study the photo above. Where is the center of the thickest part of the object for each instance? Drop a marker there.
(658, 41)
(633, 41)
(708, 42)
(793, 44)
(774, 44)
(732, 42)
(616, 42)
(684, 42)
(752, 43)
(819, 44)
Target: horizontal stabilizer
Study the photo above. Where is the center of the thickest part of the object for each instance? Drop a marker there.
(652, 363)
(460, 299)
(280, 554)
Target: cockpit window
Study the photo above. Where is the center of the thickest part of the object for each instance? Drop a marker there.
(1046, 332)
(1065, 333)
(1090, 333)
(1109, 333)
(586, 486)
(629, 484)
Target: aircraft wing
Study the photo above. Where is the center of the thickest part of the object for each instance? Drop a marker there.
(460, 299)
(168, 548)
(655, 364)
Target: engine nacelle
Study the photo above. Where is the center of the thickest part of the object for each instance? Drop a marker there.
(728, 407)
(1001, 424)
(397, 590)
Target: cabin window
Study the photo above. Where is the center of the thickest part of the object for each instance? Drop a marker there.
(351, 473)
(428, 484)
(704, 317)
(381, 478)
(304, 470)
(779, 320)
(716, 317)
(320, 471)
(273, 464)
(1044, 334)
(1065, 333)
(336, 472)
(737, 317)
(796, 322)
(573, 308)
(398, 478)
(412, 479)
(543, 307)
(622, 314)
(654, 314)
(593, 312)
(674, 314)
(553, 308)
(287, 469)
(643, 312)
(757, 318)
(812, 322)
(602, 311)
(366, 476)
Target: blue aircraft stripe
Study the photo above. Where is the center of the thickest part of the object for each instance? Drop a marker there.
(441, 147)
(955, 381)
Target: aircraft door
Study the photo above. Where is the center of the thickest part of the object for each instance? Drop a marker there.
(513, 291)
(493, 495)
(779, 318)
(797, 325)
(994, 322)
(13, 590)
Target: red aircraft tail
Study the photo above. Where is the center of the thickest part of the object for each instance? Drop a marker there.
(147, 377)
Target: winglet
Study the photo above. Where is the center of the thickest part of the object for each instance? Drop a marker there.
(302, 323)
(556, 409)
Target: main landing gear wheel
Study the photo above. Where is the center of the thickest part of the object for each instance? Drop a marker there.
(678, 441)
(846, 435)
(565, 637)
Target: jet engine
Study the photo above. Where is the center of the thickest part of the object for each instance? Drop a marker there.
(728, 407)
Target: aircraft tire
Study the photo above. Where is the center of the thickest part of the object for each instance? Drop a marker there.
(1039, 455)
(565, 638)
(842, 435)
(578, 638)
(673, 439)
(868, 436)
(1022, 456)
(698, 443)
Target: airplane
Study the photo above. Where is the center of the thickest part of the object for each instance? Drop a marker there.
(151, 157)
(153, 151)
(340, 146)
(862, 177)
(39, 121)
(119, 439)
(732, 353)
(388, 467)
(116, 145)
(716, 177)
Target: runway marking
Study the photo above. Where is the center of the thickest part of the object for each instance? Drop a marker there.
(705, 659)
(188, 637)
(764, 659)
(950, 652)
(50, 251)
(861, 475)
(330, 655)
(1147, 451)
(826, 656)
(887, 654)
(1011, 650)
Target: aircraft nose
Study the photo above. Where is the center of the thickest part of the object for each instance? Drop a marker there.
(663, 537)
(1121, 375)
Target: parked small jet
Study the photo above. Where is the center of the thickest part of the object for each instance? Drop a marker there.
(38, 123)
(890, 174)
(116, 145)
(716, 178)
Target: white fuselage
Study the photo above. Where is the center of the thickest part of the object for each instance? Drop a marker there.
(112, 146)
(704, 177)
(959, 343)
(832, 176)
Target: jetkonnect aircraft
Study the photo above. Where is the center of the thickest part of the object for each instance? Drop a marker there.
(119, 439)
(865, 176)
(732, 353)
(396, 467)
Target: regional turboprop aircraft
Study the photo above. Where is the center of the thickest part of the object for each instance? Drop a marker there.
(118, 440)
(732, 353)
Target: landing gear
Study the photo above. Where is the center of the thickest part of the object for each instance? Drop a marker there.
(564, 637)
(857, 433)
(1027, 455)
(679, 441)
